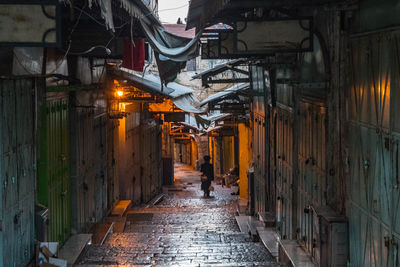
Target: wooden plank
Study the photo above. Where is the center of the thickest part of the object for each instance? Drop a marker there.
(121, 207)
(119, 223)
(100, 232)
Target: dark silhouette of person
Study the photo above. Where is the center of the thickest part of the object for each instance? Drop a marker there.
(208, 171)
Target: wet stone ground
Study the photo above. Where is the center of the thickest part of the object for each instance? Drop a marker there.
(184, 229)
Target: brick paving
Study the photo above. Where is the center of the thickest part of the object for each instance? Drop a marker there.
(185, 229)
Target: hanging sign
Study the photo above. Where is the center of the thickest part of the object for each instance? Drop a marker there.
(30, 23)
(273, 36)
(260, 38)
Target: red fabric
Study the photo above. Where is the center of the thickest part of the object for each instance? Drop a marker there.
(134, 55)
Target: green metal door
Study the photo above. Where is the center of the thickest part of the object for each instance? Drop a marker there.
(53, 167)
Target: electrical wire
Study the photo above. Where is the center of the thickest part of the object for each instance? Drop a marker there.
(174, 8)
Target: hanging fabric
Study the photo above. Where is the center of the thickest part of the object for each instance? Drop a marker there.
(134, 55)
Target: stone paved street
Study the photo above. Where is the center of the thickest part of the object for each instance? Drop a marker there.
(184, 229)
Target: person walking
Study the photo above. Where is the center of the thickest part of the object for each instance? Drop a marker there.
(207, 175)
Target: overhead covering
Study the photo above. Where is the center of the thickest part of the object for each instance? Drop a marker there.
(201, 11)
(171, 46)
(188, 104)
(224, 94)
(190, 126)
(241, 75)
(209, 121)
(215, 116)
(149, 83)
(181, 96)
(171, 51)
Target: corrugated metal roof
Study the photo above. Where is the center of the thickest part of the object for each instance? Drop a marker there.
(180, 30)
(181, 95)
(149, 83)
(215, 117)
(188, 103)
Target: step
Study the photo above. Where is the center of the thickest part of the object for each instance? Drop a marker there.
(269, 238)
(121, 207)
(252, 224)
(74, 247)
(290, 252)
(100, 232)
(267, 218)
(241, 221)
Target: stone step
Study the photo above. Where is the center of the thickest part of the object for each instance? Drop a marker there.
(290, 252)
(74, 247)
(269, 238)
(241, 221)
(252, 224)
(121, 207)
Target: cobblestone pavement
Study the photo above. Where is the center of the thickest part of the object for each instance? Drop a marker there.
(185, 229)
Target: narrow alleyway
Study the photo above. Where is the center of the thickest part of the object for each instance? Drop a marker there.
(184, 229)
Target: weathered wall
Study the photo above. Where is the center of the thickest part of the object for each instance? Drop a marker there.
(89, 156)
(203, 147)
(151, 147)
(228, 155)
(262, 189)
(215, 145)
(183, 152)
(373, 153)
(167, 154)
(194, 153)
(112, 170)
(341, 148)
(284, 170)
(17, 169)
(139, 158)
(245, 154)
(129, 158)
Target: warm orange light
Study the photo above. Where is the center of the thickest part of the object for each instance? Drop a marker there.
(120, 93)
(122, 107)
